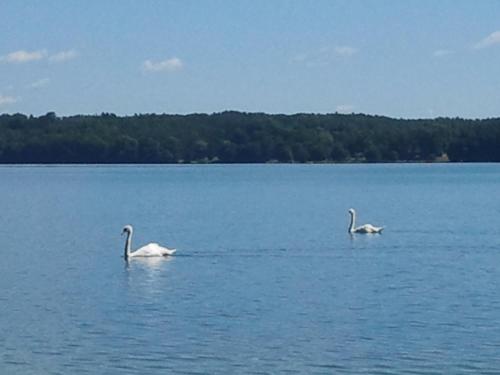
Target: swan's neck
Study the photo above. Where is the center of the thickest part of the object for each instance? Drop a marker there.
(127, 245)
(351, 225)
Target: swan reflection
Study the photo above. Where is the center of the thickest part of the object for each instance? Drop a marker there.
(148, 276)
(147, 263)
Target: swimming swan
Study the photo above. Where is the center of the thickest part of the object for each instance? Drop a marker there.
(367, 228)
(150, 250)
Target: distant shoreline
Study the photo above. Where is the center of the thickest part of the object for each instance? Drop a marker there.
(244, 138)
(236, 164)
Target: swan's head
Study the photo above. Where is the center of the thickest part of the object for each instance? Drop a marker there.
(351, 211)
(127, 229)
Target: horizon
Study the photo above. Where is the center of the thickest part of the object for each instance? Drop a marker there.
(247, 113)
(412, 60)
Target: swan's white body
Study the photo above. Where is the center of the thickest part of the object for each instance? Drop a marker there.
(365, 229)
(149, 250)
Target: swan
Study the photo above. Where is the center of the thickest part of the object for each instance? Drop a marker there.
(149, 250)
(367, 228)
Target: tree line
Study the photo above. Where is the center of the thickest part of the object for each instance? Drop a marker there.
(238, 137)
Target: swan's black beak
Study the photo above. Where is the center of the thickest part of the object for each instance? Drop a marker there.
(123, 232)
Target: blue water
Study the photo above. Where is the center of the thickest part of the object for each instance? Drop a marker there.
(267, 280)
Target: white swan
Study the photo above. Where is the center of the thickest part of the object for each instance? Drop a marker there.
(367, 228)
(150, 250)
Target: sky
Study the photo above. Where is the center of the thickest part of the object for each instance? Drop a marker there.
(403, 59)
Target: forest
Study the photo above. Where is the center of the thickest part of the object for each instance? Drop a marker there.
(239, 137)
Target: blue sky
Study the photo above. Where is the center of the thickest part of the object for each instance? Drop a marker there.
(411, 59)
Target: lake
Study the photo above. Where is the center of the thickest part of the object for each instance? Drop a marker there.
(267, 280)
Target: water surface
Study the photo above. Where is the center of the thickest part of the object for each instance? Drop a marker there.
(266, 280)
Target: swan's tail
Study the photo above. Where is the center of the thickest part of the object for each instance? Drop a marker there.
(168, 252)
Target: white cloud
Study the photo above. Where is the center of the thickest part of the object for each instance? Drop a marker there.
(6, 100)
(40, 83)
(312, 59)
(345, 108)
(23, 56)
(442, 52)
(345, 50)
(168, 65)
(324, 56)
(490, 40)
(63, 56)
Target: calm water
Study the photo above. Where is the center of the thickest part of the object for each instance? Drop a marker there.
(267, 279)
